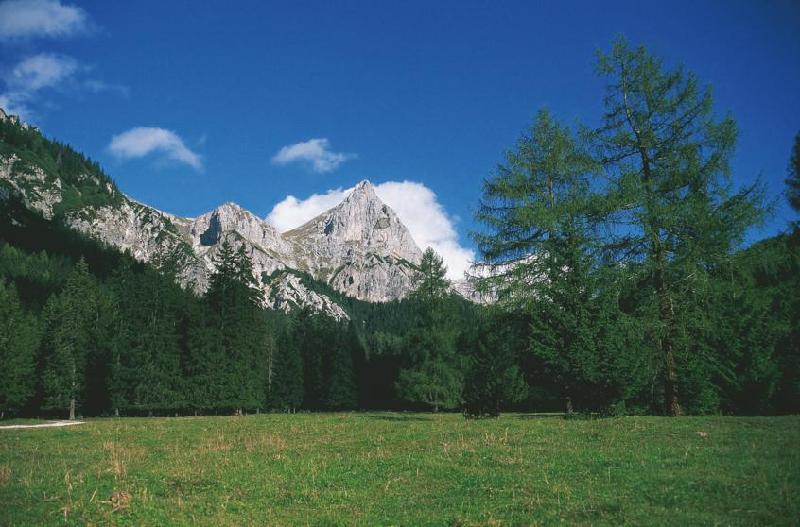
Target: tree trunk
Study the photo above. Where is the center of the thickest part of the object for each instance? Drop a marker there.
(671, 401)
(672, 405)
(72, 409)
(116, 412)
(666, 314)
(568, 403)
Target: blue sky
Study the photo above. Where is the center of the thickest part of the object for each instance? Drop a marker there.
(188, 104)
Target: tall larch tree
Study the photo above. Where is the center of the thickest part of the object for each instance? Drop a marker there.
(673, 215)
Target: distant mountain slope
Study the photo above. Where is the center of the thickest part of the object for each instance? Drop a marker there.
(360, 247)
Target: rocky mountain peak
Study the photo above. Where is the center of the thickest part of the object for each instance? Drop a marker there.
(364, 185)
(360, 247)
(230, 220)
(229, 206)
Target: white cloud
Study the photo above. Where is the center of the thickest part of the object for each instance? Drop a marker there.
(314, 151)
(40, 18)
(419, 209)
(32, 75)
(41, 71)
(293, 212)
(144, 140)
(416, 205)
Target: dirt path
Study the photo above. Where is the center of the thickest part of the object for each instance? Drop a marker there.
(43, 425)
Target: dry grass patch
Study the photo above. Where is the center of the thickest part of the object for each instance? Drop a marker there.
(266, 442)
(217, 442)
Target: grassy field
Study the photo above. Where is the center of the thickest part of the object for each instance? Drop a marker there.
(398, 469)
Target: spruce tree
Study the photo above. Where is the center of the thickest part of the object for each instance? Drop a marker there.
(235, 301)
(433, 371)
(287, 386)
(68, 320)
(342, 393)
(430, 282)
(147, 370)
(19, 340)
(494, 377)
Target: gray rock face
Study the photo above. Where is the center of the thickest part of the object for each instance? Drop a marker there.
(41, 193)
(286, 292)
(229, 222)
(360, 247)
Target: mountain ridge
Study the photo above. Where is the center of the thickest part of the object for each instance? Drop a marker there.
(360, 247)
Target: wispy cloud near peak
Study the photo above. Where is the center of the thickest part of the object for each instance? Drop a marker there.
(317, 152)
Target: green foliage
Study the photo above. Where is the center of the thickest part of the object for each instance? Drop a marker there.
(146, 366)
(76, 336)
(83, 183)
(668, 197)
(539, 249)
(342, 389)
(434, 382)
(793, 179)
(19, 341)
(536, 212)
(494, 377)
(235, 304)
(433, 372)
(285, 388)
(430, 283)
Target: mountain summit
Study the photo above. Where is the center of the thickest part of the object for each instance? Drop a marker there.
(360, 247)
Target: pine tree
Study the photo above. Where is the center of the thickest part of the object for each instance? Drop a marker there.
(19, 340)
(69, 318)
(147, 371)
(342, 393)
(433, 373)
(494, 377)
(287, 387)
(235, 301)
(667, 161)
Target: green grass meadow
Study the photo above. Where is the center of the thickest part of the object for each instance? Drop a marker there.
(403, 469)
